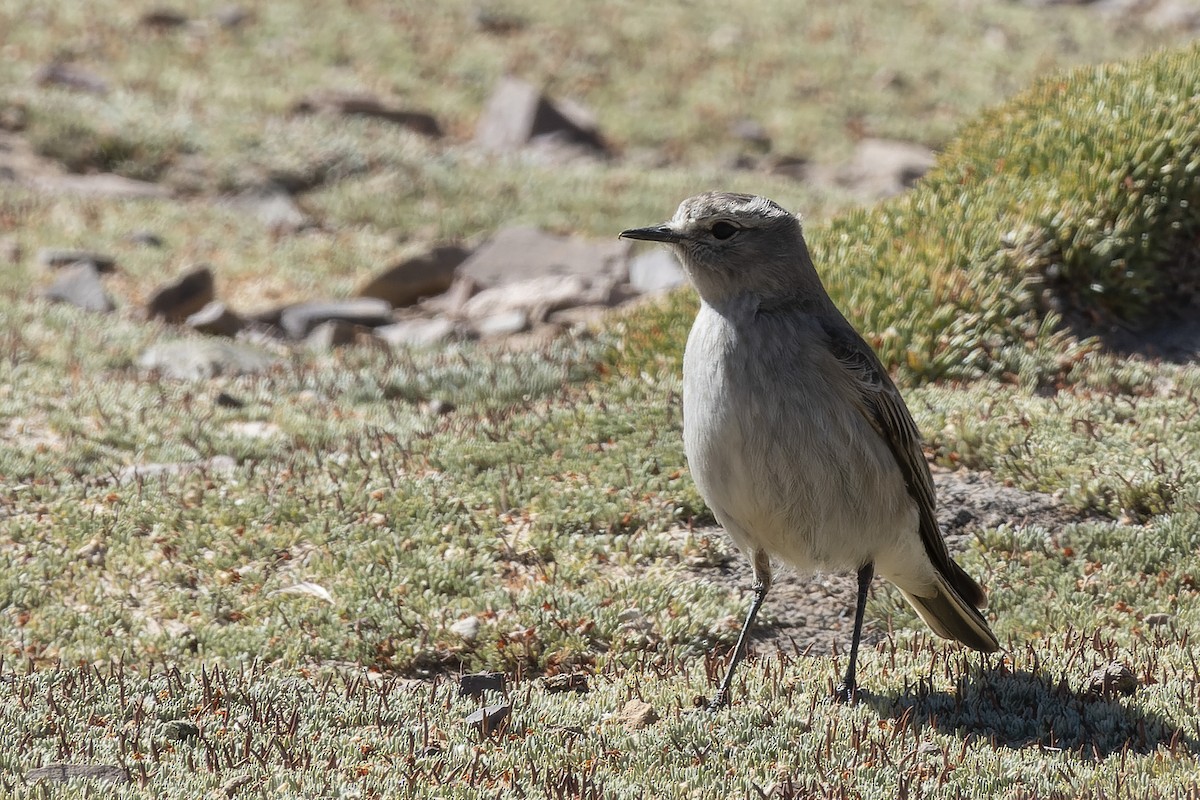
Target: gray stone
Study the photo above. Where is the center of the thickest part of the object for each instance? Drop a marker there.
(503, 323)
(215, 319)
(152, 470)
(406, 282)
(475, 685)
(1113, 679)
(361, 104)
(882, 167)
(178, 730)
(274, 207)
(188, 294)
(489, 718)
(70, 76)
(189, 359)
(80, 286)
(537, 297)
(61, 773)
(63, 257)
(517, 113)
(334, 333)
(417, 332)
(655, 270)
(453, 299)
(298, 321)
(467, 628)
(522, 252)
(146, 239)
(163, 19)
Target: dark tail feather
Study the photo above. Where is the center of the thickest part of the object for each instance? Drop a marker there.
(951, 617)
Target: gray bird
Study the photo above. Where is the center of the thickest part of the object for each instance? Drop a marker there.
(796, 437)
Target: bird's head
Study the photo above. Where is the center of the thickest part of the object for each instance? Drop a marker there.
(733, 244)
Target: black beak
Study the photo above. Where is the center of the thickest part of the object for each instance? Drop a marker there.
(658, 233)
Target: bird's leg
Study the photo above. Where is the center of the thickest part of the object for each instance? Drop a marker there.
(846, 690)
(762, 574)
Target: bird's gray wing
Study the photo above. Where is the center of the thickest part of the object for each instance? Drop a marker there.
(884, 408)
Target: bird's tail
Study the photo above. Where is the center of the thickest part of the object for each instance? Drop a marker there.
(944, 610)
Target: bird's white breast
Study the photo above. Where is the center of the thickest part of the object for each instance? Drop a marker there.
(779, 452)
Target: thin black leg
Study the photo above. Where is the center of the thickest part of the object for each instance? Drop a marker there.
(721, 699)
(846, 690)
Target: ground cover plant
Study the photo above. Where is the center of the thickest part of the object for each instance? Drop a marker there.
(275, 596)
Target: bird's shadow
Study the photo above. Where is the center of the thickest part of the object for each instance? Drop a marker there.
(1020, 709)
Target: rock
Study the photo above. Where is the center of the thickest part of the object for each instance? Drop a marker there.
(146, 239)
(417, 332)
(136, 472)
(226, 400)
(80, 286)
(191, 359)
(1155, 620)
(467, 628)
(752, 133)
(70, 76)
(787, 166)
(1112, 680)
(163, 19)
(575, 682)
(517, 113)
(498, 22)
(178, 730)
(61, 257)
(882, 168)
(61, 773)
(274, 207)
(406, 282)
(438, 407)
(361, 104)
(100, 185)
(231, 17)
(453, 299)
(578, 316)
(637, 715)
(299, 320)
(177, 301)
(537, 297)
(334, 333)
(522, 252)
(655, 270)
(215, 319)
(476, 685)
(504, 323)
(489, 718)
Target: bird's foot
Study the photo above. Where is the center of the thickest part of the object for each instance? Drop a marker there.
(720, 700)
(846, 693)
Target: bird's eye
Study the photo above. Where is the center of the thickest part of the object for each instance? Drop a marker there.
(723, 230)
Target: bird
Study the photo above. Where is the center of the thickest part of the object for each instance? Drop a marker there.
(796, 436)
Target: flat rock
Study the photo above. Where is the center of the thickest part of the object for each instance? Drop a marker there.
(503, 323)
(423, 275)
(188, 294)
(274, 207)
(1113, 679)
(61, 773)
(467, 628)
(334, 333)
(517, 113)
(299, 320)
(362, 104)
(489, 718)
(56, 257)
(215, 319)
(163, 18)
(883, 167)
(475, 685)
(152, 470)
(655, 270)
(637, 714)
(417, 332)
(70, 76)
(103, 184)
(522, 252)
(189, 359)
(537, 297)
(80, 286)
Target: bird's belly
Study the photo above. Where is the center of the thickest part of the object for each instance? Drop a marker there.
(787, 468)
